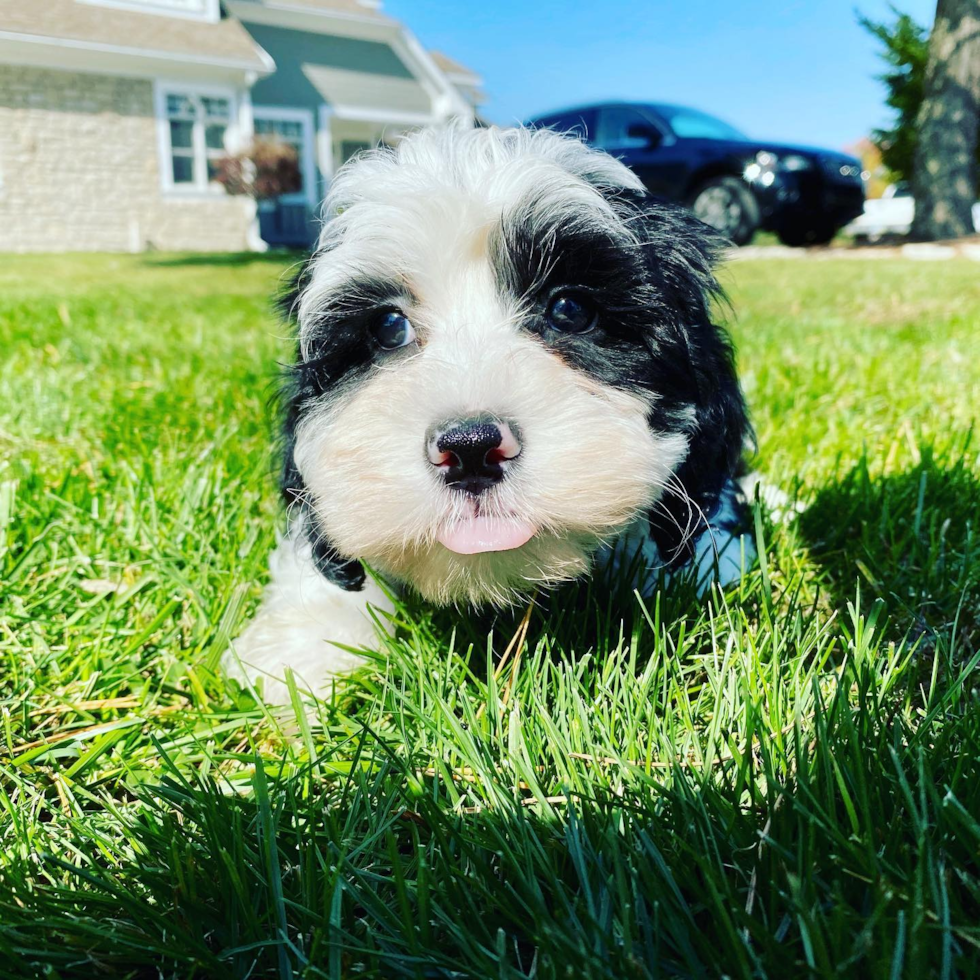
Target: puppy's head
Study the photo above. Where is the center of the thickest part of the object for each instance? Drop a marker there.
(505, 358)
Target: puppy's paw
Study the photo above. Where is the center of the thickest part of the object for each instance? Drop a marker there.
(273, 643)
(302, 625)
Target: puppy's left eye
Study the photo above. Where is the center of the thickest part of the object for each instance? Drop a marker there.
(571, 313)
(393, 330)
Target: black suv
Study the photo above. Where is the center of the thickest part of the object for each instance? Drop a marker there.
(732, 183)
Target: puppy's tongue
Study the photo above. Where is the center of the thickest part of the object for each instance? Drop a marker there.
(475, 535)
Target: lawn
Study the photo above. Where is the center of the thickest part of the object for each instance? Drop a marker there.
(779, 780)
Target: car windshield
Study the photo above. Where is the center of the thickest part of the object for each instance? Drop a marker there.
(691, 124)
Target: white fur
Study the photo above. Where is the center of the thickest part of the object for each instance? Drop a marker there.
(590, 463)
(423, 213)
(303, 617)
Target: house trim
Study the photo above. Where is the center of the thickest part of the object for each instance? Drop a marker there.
(341, 22)
(110, 59)
(324, 144)
(393, 116)
(210, 12)
(465, 78)
(446, 99)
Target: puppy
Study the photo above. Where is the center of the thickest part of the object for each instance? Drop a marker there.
(506, 370)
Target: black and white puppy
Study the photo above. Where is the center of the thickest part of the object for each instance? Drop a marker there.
(505, 363)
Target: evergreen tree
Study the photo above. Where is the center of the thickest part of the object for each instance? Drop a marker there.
(906, 51)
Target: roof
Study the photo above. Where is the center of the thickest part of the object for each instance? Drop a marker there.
(224, 42)
(450, 66)
(358, 90)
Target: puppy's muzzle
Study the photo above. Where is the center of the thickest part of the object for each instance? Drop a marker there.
(473, 454)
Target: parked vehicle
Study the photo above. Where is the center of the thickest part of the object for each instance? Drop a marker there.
(731, 182)
(891, 214)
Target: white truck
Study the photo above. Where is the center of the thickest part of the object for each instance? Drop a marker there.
(890, 214)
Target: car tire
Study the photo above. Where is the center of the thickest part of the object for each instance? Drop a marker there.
(798, 235)
(727, 205)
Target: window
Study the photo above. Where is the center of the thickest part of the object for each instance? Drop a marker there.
(691, 124)
(196, 129)
(615, 130)
(287, 130)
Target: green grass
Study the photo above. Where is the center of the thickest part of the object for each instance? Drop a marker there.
(781, 780)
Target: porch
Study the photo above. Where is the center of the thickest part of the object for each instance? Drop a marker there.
(323, 141)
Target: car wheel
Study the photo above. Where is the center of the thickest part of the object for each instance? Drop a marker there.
(798, 235)
(726, 205)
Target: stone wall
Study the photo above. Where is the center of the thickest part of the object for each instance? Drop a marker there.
(80, 171)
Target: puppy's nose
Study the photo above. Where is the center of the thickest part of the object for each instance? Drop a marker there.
(473, 454)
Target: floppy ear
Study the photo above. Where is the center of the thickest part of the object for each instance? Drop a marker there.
(299, 385)
(680, 253)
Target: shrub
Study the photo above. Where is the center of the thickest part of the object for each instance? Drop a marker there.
(265, 169)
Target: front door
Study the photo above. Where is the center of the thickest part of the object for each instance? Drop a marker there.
(289, 221)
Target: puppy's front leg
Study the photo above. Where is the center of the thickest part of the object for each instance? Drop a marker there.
(301, 618)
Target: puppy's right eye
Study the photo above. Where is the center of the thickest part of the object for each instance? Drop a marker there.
(571, 312)
(393, 330)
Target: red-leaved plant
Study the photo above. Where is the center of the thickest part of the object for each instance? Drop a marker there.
(265, 169)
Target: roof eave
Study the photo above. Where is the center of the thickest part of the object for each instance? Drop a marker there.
(13, 43)
(297, 16)
(465, 78)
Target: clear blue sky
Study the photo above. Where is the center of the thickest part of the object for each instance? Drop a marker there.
(799, 71)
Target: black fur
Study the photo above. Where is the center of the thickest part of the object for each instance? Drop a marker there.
(654, 334)
(680, 252)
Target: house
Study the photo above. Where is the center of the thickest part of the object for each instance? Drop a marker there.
(113, 113)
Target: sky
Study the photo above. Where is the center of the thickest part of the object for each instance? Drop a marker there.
(800, 71)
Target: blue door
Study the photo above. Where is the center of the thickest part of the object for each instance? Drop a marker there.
(290, 221)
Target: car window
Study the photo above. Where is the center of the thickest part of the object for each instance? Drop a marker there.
(615, 123)
(580, 123)
(691, 124)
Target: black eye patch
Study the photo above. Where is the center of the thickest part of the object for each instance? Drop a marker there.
(341, 338)
(594, 298)
(532, 257)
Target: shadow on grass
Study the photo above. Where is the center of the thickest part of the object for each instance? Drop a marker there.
(440, 835)
(222, 259)
(303, 872)
(909, 539)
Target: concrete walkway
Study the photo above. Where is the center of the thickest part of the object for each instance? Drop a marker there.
(967, 248)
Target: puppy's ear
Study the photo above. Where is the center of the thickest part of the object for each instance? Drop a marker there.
(680, 253)
(297, 388)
